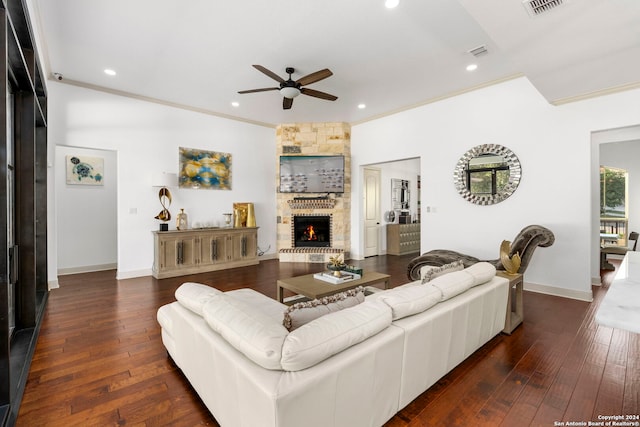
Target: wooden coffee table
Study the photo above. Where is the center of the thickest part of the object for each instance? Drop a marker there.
(313, 288)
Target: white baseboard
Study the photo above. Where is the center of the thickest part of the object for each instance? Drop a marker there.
(121, 275)
(596, 281)
(53, 284)
(559, 292)
(86, 269)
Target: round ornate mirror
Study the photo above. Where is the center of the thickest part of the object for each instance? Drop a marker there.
(487, 174)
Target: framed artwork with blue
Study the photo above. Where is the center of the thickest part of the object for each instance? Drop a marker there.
(201, 169)
(83, 170)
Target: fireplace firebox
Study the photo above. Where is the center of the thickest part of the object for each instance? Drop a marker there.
(311, 231)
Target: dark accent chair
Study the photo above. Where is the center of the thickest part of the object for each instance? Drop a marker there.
(525, 244)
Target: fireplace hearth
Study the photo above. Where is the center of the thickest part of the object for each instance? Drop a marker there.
(311, 231)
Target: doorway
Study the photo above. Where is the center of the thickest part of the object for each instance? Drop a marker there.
(371, 212)
(86, 214)
(619, 148)
(404, 169)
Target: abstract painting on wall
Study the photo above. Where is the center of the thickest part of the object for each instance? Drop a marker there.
(82, 170)
(204, 169)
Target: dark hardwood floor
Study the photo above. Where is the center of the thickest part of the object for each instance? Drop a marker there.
(100, 360)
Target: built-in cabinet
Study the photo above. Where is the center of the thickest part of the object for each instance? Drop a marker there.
(23, 203)
(177, 253)
(403, 238)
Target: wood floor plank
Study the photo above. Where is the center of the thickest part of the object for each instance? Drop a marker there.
(631, 403)
(511, 400)
(100, 361)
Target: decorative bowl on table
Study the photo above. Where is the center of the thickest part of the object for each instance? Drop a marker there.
(336, 269)
(336, 265)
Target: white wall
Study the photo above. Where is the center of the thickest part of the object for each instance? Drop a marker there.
(554, 148)
(86, 215)
(146, 137)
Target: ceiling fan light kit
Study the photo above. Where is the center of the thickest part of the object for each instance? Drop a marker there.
(290, 88)
(289, 92)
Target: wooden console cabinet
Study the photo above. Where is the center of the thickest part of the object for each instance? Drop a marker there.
(403, 238)
(178, 253)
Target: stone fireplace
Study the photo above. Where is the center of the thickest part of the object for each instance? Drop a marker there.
(328, 214)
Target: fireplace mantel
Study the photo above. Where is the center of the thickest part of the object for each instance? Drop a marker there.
(312, 204)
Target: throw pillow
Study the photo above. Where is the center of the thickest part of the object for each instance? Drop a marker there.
(439, 271)
(304, 312)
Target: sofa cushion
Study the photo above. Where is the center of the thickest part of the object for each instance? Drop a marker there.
(452, 284)
(193, 296)
(253, 333)
(428, 274)
(304, 312)
(409, 300)
(482, 272)
(333, 333)
(260, 302)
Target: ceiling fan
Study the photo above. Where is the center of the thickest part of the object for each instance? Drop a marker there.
(291, 88)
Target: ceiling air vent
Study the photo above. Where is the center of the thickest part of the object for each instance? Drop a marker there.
(538, 7)
(477, 51)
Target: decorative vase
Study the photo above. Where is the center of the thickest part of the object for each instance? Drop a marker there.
(337, 269)
(227, 219)
(237, 219)
(182, 222)
(251, 216)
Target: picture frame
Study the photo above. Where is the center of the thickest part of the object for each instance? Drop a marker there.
(84, 170)
(202, 169)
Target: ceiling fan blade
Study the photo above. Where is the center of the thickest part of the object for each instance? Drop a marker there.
(318, 94)
(314, 77)
(264, 89)
(269, 73)
(287, 103)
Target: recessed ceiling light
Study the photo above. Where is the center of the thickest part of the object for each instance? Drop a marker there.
(390, 4)
(109, 72)
(235, 104)
(362, 106)
(472, 67)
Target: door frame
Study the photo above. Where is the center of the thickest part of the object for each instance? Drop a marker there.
(378, 219)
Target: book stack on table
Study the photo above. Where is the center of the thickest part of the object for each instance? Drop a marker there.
(328, 276)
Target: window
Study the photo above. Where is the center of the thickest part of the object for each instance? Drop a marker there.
(613, 203)
(613, 192)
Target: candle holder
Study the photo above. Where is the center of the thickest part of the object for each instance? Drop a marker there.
(227, 219)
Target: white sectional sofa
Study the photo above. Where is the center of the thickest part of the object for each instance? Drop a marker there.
(354, 367)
